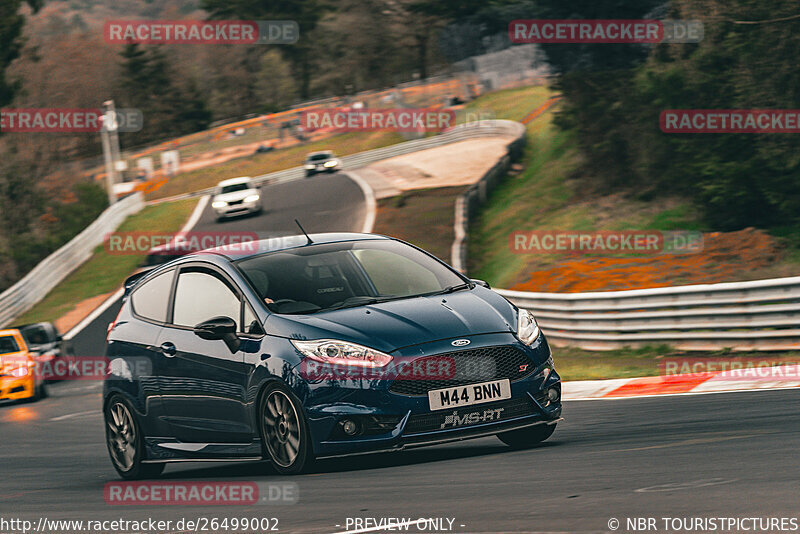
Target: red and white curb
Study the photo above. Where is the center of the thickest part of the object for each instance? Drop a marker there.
(750, 379)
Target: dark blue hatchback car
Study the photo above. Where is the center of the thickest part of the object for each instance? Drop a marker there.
(330, 345)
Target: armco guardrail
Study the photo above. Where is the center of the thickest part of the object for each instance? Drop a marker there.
(462, 132)
(758, 315)
(53, 269)
(470, 201)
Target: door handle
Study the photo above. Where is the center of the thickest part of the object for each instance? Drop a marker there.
(168, 349)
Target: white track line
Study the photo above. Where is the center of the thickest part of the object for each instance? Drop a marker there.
(681, 394)
(369, 196)
(72, 415)
(97, 312)
(196, 214)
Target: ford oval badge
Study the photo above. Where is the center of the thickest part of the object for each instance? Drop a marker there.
(461, 342)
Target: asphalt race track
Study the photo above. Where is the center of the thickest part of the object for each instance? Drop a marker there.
(720, 455)
(717, 455)
(322, 203)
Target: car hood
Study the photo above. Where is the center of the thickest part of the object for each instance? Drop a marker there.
(393, 325)
(236, 195)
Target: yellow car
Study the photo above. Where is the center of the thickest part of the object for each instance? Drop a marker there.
(18, 377)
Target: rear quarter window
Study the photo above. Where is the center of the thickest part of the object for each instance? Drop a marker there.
(151, 298)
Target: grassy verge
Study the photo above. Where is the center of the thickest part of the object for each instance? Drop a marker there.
(278, 160)
(577, 364)
(510, 104)
(543, 197)
(103, 272)
(423, 217)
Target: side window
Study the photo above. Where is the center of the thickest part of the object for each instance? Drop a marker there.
(201, 295)
(150, 299)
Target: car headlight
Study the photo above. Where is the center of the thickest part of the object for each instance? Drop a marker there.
(18, 368)
(19, 372)
(331, 163)
(251, 198)
(218, 204)
(309, 167)
(527, 329)
(342, 352)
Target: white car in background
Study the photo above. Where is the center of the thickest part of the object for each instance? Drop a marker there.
(236, 196)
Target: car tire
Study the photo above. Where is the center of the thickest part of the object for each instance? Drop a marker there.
(527, 437)
(284, 431)
(40, 391)
(125, 441)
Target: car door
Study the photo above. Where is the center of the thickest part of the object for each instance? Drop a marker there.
(133, 338)
(203, 383)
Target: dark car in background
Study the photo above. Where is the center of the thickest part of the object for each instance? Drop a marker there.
(319, 346)
(324, 161)
(45, 342)
(164, 253)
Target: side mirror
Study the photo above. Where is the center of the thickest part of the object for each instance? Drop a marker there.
(219, 329)
(480, 283)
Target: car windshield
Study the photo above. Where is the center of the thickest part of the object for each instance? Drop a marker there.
(340, 275)
(35, 335)
(8, 344)
(233, 188)
(319, 157)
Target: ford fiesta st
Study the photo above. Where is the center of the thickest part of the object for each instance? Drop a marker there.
(318, 346)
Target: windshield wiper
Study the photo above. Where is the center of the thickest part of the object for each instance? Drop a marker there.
(352, 302)
(457, 287)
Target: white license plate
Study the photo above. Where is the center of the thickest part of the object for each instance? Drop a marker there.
(455, 397)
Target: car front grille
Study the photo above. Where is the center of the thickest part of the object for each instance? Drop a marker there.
(492, 412)
(235, 202)
(471, 366)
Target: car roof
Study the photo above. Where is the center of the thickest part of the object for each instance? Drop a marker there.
(234, 181)
(276, 244)
(10, 332)
(22, 327)
(230, 253)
